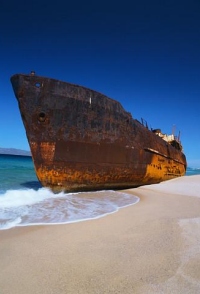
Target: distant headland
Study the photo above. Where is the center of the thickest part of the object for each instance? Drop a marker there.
(13, 151)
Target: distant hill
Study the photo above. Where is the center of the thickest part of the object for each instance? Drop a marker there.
(13, 151)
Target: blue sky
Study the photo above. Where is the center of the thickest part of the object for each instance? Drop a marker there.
(145, 54)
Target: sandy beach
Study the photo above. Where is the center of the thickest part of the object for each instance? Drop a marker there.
(150, 247)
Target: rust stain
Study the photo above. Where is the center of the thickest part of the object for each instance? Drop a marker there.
(82, 140)
(47, 151)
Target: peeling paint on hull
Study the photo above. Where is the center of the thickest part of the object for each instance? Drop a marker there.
(82, 140)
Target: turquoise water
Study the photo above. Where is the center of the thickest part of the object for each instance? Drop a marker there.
(24, 202)
(192, 171)
(17, 172)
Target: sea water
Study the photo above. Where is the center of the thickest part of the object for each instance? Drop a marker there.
(192, 171)
(23, 201)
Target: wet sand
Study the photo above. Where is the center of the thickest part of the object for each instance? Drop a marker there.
(150, 247)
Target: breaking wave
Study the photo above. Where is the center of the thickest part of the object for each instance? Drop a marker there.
(39, 207)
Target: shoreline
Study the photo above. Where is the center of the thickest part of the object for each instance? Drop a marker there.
(151, 247)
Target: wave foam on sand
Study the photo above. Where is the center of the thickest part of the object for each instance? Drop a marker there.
(43, 207)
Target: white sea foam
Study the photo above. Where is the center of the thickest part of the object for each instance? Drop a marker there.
(30, 207)
(4, 225)
(15, 198)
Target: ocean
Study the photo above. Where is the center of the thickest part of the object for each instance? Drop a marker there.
(24, 202)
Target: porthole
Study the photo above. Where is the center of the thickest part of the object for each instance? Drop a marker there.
(41, 117)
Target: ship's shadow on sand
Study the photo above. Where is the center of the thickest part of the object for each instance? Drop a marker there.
(32, 185)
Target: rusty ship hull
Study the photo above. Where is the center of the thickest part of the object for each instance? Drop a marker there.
(81, 140)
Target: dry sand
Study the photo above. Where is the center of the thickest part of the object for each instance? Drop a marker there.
(150, 247)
